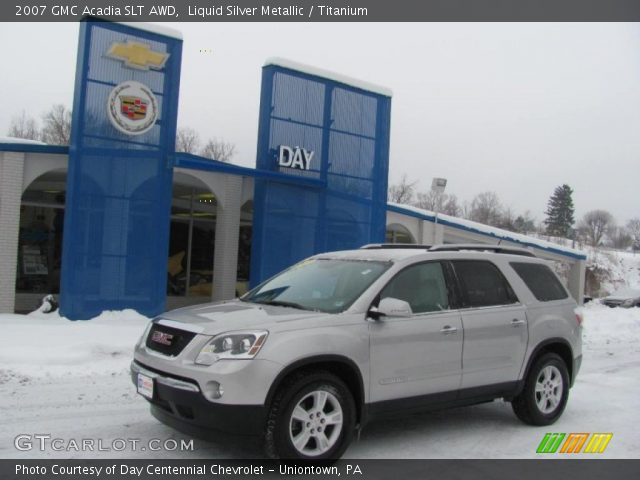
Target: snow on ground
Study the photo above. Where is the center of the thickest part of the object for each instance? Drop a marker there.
(70, 380)
(47, 345)
(623, 269)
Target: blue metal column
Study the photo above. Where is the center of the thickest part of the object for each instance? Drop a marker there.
(119, 181)
(347, 129)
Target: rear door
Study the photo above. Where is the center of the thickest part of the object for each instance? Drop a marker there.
(494, 322)
(422, 354)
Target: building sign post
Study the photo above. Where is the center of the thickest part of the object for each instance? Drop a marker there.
(116, 226)
(335, 136)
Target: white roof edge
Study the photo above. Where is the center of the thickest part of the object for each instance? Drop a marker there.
(155, 28)
(22, 141)
(320, 72)
(499, 233)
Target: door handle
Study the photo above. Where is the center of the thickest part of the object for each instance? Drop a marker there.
(517, 322)
(448, 330)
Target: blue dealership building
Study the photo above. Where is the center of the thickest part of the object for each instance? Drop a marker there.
(118, 219)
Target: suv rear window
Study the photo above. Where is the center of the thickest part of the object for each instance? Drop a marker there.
(483, 285)
(544, 285)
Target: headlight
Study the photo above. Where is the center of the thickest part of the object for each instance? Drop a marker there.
(628, 303)
(234, 345)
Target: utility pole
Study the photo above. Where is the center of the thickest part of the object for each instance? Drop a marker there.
(438, 186)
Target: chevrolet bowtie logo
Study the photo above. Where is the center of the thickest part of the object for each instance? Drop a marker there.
(138, 55)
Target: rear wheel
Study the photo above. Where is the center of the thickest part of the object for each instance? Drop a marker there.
(311, 417)
(545, 392)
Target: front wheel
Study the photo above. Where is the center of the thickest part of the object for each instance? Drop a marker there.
(312, 417)
(545, 391)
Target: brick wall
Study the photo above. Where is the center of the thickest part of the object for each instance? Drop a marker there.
(11, 172)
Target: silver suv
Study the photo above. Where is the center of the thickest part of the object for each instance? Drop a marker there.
(311, 355)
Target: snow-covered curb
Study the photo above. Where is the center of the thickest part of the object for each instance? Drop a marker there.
(48, 345)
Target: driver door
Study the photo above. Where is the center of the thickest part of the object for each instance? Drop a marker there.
(421, 354)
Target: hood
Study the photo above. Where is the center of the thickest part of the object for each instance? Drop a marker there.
(214, 318)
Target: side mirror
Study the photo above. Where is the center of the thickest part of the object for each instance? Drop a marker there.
(391, 307)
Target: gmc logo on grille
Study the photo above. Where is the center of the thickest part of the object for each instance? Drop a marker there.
(162, 338)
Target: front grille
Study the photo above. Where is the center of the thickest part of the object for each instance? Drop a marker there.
(168, 340)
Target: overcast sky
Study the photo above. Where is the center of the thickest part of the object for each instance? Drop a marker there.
(514, 108)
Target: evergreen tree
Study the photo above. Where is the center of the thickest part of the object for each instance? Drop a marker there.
(560, 212)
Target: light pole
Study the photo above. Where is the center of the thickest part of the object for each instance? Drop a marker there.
(438, 186)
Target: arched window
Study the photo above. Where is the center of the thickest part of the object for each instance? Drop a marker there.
(191, 238)
(40, 238)
(397, 233)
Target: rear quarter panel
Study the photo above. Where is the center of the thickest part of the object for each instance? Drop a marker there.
(552, 320)
(545, 320)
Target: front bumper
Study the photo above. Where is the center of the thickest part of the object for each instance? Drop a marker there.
(179, 403)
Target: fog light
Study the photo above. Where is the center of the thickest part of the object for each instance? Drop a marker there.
(213, 390)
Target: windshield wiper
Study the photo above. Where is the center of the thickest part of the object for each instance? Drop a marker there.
(280, 303)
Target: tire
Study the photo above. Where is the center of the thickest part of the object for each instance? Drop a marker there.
(298, 429)
(545, 391)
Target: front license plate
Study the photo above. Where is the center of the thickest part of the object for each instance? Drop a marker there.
(145, 385)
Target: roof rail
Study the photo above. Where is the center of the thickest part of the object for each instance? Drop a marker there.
(454, 247)
(479, 247)
(381, 246)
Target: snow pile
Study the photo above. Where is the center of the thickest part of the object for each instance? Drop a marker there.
(610, 270)
(610, 329)
(630, 268)
(47, 345)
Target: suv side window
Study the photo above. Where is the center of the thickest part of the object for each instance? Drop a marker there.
(483, 284)
(423, 286)
(544, 285)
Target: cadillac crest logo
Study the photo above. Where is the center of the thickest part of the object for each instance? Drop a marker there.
(132, 108)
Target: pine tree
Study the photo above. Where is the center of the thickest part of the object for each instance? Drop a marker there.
(560, 212)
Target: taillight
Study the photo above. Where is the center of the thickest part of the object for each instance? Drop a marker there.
(579, 319)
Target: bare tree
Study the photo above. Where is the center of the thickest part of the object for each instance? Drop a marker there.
(187, 140)
(486, 208)
(403, 192)
(620, 238)
(595, 225)
(465, 209)
(24, 127)
(220, 150)
(451, 206)
(439, 202)
(525, 223)
(633, 227)
(430, 200)
(507, 219)
(56, 128)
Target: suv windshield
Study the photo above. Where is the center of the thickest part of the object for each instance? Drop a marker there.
(323, 285)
